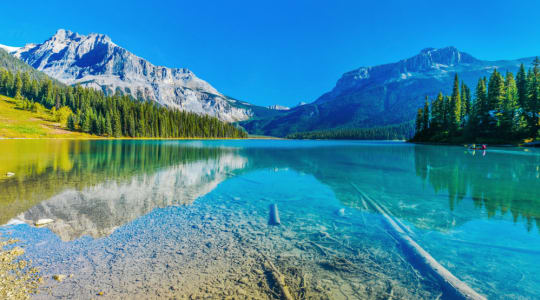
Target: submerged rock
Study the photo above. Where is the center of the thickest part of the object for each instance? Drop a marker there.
(59, 277)
(43, 222)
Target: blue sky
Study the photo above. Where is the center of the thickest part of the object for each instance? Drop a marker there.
(282, 52)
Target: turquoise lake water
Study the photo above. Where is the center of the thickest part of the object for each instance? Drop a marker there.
(180, 219)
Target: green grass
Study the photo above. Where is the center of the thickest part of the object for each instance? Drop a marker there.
(17, 123)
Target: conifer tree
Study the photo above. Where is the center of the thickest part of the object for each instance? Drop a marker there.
(533, 106)
(108, 125)
(71, 122)
(455, 106)
(18, 86)
(465, 101)
(425, 121)
(482, 116)
(437, 113)
(521, 83)
(507, 119)
(419, 122)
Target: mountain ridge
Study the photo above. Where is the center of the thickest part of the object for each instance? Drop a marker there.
(94, 60)
(382, 95)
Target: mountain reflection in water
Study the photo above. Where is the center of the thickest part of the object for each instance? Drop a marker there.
(92, 187)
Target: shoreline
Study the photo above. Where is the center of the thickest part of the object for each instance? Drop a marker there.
(141, 138)
(534, 144)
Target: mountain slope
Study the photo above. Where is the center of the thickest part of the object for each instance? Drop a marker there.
(382, 95)
(14, 65)
(95, 61)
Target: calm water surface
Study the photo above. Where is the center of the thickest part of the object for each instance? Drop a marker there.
(158, 219)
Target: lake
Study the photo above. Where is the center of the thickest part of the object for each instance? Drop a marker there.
(195, 219)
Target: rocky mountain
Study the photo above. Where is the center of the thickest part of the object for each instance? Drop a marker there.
(383, 95)
(278, 107)
(95, 61)
(14, 65)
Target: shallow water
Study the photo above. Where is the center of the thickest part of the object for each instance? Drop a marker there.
(182, 219)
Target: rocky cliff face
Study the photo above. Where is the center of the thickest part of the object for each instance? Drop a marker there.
(383, 95)
(430, 62)
(95, 61)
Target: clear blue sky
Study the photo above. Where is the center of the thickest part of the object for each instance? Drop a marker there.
(282, 52)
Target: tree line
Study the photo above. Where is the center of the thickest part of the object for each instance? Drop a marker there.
(393, 132)
(505, 109)
(93, 112)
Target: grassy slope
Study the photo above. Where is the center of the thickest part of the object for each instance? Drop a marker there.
(16, 123)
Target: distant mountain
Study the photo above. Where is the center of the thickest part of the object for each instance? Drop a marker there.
(278, 107)
(383, 95)
(95, 61)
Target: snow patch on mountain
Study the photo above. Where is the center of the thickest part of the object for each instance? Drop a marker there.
(9, 49)
(278, 107)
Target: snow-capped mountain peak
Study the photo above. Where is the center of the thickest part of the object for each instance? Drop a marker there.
(9, 49)
(94, 61)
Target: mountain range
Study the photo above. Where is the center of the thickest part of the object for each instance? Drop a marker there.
(383, 95)
(367, 97)
(95, 61)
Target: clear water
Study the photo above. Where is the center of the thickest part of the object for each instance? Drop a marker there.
(190, 218)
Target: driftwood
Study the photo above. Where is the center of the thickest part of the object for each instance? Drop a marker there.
(384, 209)
(279, 279)
(457, 288)
(303, 287)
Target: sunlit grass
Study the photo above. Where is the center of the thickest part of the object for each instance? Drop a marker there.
(18, 123)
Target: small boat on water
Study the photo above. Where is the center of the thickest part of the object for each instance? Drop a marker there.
(475, 147)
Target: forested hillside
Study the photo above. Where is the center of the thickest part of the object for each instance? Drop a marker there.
(505, 109)
(382, 95)
(395, 132)
(90, 111)
(13, 64)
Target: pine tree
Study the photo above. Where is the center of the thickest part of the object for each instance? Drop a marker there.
(71, 122)
(465, 101)
(419, 123)
(455, 106)
(495, 99)
(507, 119)
(437, 113)
(425, 121)
(108, 125)
(117, 124)
(86, 122)
(18, 86)
(533, 106)
(481, 117)
(521, 83)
